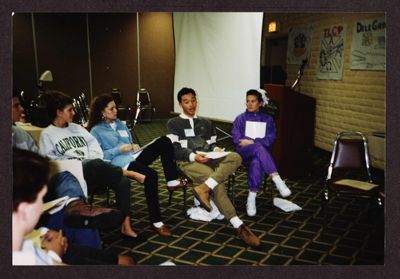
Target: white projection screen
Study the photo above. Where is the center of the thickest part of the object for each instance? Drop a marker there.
(218, 55)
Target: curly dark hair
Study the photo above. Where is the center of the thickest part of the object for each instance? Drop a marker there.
(98, 104)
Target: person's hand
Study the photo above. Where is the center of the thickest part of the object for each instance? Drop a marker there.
(200, 158)
(54, 241)
(219, 149)
(135, 147)
(244, 142)
(125, 148)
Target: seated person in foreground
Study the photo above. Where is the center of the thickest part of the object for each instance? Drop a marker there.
(30, 174)
(255, 151)
(117, 144)
(77, 214)
(29, 188)
(64, 140)
(190, 134)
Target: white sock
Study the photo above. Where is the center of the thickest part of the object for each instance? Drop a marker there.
(211, 183)
(158, 224)
(236, 222)
(277, 179)
(252, 196)
(173, 183)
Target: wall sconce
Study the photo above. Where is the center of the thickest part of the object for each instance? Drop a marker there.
(273, 26)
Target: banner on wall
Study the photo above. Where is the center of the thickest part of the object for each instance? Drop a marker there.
(331, 54)
(368, 48)
(299, 44)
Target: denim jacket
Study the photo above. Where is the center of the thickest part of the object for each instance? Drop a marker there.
(110, 141)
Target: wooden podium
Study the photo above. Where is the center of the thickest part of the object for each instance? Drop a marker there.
(295, 121)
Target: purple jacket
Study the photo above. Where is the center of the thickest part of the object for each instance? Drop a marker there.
(239, 128)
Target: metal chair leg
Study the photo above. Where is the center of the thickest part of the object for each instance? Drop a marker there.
(108, 197)
(184, 199)
(90, 199)
(231, 187)
(264, 183)
(136, 115)
(169, 198)
(324, 207)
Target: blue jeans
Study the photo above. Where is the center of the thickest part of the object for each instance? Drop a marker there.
(64, 184)
(86, 237)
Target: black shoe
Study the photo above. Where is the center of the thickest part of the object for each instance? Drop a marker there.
(78, 214)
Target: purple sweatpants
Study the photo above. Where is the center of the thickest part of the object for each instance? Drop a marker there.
(259, 161)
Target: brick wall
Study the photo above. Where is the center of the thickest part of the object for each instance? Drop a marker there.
(357, 102)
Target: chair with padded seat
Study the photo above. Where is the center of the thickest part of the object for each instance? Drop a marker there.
(349, 172)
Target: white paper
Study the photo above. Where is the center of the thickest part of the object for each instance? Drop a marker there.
(286, 205)
(199, 213)
(255, 129)
(54, 205)
(144, 146)
(362, 185)
(214, 154)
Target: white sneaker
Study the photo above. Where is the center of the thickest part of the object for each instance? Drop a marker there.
(283, 190)
(251, 208)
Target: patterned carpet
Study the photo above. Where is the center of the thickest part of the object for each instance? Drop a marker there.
(351, 237)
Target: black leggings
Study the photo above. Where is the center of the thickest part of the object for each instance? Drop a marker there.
(161, 147)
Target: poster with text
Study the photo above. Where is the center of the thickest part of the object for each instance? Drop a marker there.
(331, 54)
(368, 48)
(299, 44)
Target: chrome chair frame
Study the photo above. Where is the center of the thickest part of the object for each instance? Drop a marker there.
(141, 107)
(372, 194)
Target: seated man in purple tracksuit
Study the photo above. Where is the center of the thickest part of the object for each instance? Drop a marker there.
(253, 134)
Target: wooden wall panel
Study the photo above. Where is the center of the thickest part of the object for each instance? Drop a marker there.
(113, 53)
(158, 60)
(62, 48)
(24, 72)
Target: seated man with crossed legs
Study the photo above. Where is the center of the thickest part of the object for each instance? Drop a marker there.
(189, 134)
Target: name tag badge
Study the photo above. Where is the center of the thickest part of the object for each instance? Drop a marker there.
(123, 133)
(189, 133)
